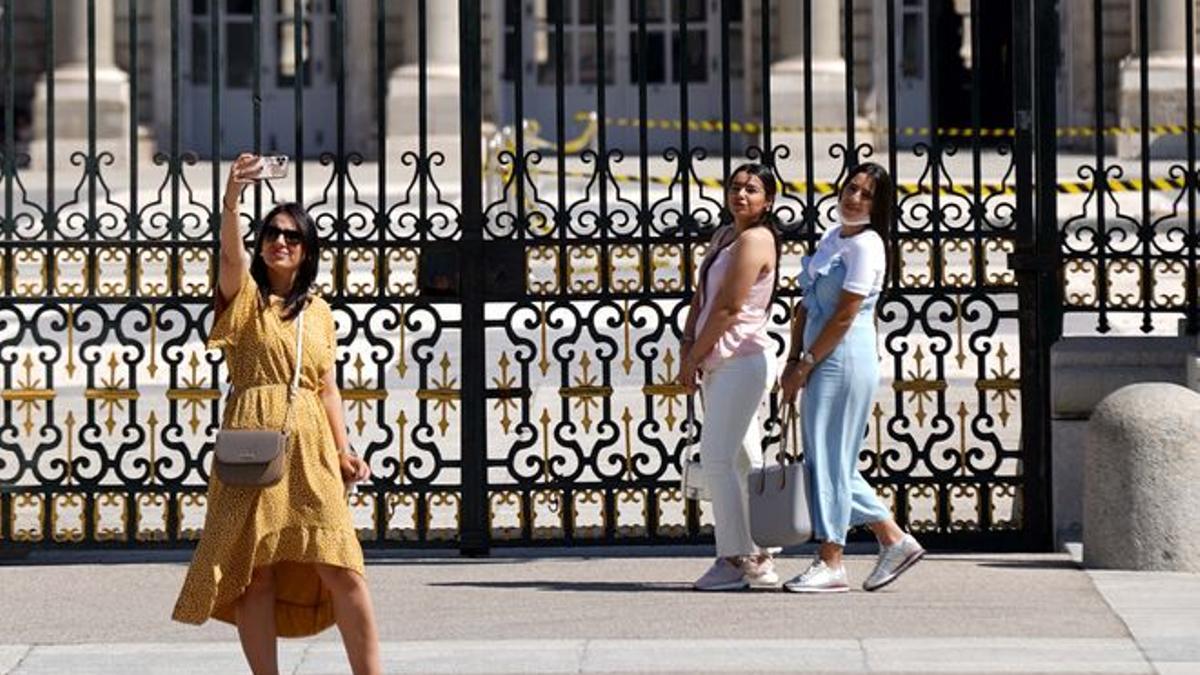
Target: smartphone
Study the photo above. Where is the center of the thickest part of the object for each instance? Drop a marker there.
(271, 167)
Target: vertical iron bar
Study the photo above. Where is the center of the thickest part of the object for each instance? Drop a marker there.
(175, 161)
(518, 57)
(340, 165)
(423, 163)
(810, 178)
(1146, 229)
(1100, 177)
(300, 69)
(933, 19)
(214, 77)
(381, 133)
(92, 230)
(134, 220)
(1039, 509)
(977, 217)
(256, 101)
(726, 94)
(1193, 274)
(474, 534)
(51, 216)
(602, 145)
(1035, 43)
(382, 263)
(765, 64)
(848, 42)
(893, 263)
(560, 111)
(93, 167)
(10, 147)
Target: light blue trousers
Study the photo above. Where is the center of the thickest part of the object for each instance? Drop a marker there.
(834, 410)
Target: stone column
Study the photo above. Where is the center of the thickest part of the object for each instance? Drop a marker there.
(442, 80)
(1167, 73)
(71, 88)
(828, 66)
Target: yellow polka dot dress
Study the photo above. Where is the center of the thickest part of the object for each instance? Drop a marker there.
(302, 519)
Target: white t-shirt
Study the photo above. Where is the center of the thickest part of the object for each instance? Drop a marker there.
(863, 254)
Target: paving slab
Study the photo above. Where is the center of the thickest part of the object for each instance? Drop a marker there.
(1161, 611)
(10, 656)
(590, 597)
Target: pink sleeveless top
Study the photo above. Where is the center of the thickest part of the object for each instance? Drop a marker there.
(748, 334)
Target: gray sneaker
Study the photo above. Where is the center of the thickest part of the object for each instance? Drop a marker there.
(893, 561)
(724, 575)
(819, 578)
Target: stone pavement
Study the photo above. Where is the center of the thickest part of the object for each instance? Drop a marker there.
(624, 610)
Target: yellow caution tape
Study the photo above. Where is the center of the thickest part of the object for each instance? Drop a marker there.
(716, 126)
(966, 190)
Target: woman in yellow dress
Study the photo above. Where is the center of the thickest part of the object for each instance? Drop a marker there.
(281, 560)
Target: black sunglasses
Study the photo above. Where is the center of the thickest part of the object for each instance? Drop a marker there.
(292, 237)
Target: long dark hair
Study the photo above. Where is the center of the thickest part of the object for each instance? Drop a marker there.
(883, 197)
(768, 220)
(306, 276)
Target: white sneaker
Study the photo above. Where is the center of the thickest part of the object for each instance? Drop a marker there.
(759, 571)
(724, 575)
(819, 578)
(893, 561)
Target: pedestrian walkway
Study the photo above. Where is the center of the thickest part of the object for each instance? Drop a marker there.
(625, 611)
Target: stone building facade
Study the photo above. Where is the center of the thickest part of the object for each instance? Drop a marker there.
(174, 37)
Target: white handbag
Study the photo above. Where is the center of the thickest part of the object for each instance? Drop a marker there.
(695, 482)
(779, 508)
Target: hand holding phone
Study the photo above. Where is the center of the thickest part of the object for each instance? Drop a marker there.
(271, 167)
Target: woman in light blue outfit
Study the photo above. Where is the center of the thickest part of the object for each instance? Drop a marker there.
(833, 358)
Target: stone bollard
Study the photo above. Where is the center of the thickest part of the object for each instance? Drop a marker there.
(1141, 483)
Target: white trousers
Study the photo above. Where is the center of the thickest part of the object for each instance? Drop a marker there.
(730, 445)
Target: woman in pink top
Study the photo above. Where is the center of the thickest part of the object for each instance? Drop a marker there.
(725, 346)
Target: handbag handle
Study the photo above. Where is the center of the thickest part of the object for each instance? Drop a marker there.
(789, 431)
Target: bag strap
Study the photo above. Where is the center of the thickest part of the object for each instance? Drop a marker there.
(294, 385)
(789, 432)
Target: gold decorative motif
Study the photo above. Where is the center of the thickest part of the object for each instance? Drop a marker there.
(108, 286)
(193, 394)
(31, 290)
(587, 390)
(360, 394)
(444, 394)
(545, 420)
(920, 385)
(627, 363)
(505, 384)
(152, 472)
(667, 389)
(113, 499)
(402, 353)
(70, 367)
(402, 434)
(152, 367)
(544, 363)
(1003, 384)
(625, 278)
(29, 395)
(627, 420)
(145, 502)
(544, 259)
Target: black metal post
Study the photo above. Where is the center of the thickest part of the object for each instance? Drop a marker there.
(473, 522)
(1036, 261)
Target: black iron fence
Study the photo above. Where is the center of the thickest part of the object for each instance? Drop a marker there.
(509, 302)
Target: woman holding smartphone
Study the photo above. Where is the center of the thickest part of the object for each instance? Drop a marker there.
(283, 559)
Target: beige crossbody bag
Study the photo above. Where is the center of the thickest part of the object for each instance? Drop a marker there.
(255, 457)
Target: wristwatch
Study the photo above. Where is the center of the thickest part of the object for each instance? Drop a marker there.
(807, 358)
